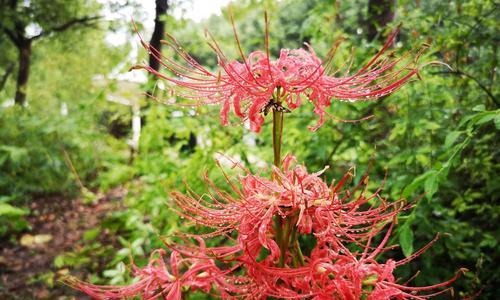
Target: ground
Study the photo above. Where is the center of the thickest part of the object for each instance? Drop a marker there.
(27, 269)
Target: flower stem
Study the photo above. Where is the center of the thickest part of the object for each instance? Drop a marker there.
(279, 224)
(298, 256)
(277, 136)
(280, 227)
(285, 228)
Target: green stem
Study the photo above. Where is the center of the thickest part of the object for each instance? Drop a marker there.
(285, 228)
(277, 136)
(283, 244)
(280, 227)
(296, 247)
(279, 224)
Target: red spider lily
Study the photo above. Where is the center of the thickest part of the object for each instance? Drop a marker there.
(293, 193)
(346, 275)
(255, 84)
(331, 271)
(254, 265)
(156, 281)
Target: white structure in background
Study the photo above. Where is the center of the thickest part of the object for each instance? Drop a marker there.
(136, 126)
(136, 118)
(129, 94)
(9, 102)
(64, 109)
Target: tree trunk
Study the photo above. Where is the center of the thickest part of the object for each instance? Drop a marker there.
(155, 42)
(380, 13)
(159, 31)
(24, 49)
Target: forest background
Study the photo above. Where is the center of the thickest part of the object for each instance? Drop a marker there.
(81, 191)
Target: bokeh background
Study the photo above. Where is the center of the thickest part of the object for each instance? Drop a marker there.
(87, 160)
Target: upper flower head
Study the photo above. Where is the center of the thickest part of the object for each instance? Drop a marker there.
(256, 83)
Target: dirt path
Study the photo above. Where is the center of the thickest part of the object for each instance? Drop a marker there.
(27, 266)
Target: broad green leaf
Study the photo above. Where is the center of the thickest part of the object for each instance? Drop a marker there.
(406, 240)
(7, 210)
(451, 138)
(416, 183)
(423, 159)
(117, 271)
(497, 122)
(91, 234)
(486, 118)
(59, 261)
(431, 185)
(432, 125)
(479, 107)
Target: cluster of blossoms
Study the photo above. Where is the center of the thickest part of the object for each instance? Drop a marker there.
(256, 209)
(288, 235)
(331, 214)
(248, 87)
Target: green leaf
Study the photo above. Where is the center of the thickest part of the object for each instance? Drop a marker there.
(417, 182)
(451, 138)
(8, 210)
(431, 185)
(423, 159)
(486, 118)
(16, 154)
(110, 273)
(59, 261)
(3, 158)
(91, 234)
(118, 270)
(479, 107)
(497, 122)
(406, 240)
(432, 125)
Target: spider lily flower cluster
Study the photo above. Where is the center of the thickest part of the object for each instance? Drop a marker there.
(288, 235)
(250, 86)
(255, 266)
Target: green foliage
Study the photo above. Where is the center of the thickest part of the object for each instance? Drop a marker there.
(56, 144)
(406, 237)
(45, 14)
(11, 217)
(7, 210)
(33, 148)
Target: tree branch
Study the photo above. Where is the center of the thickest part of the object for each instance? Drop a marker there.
(63, 27)
(334, 149)
(481, 86)
(12, 36)
(8, 71)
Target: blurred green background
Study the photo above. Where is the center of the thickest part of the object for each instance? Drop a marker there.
(80, 191)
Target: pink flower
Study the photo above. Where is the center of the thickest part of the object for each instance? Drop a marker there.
(256, 84)
(325, 211)
(157, 279)
(347, 275)
(252, 264)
